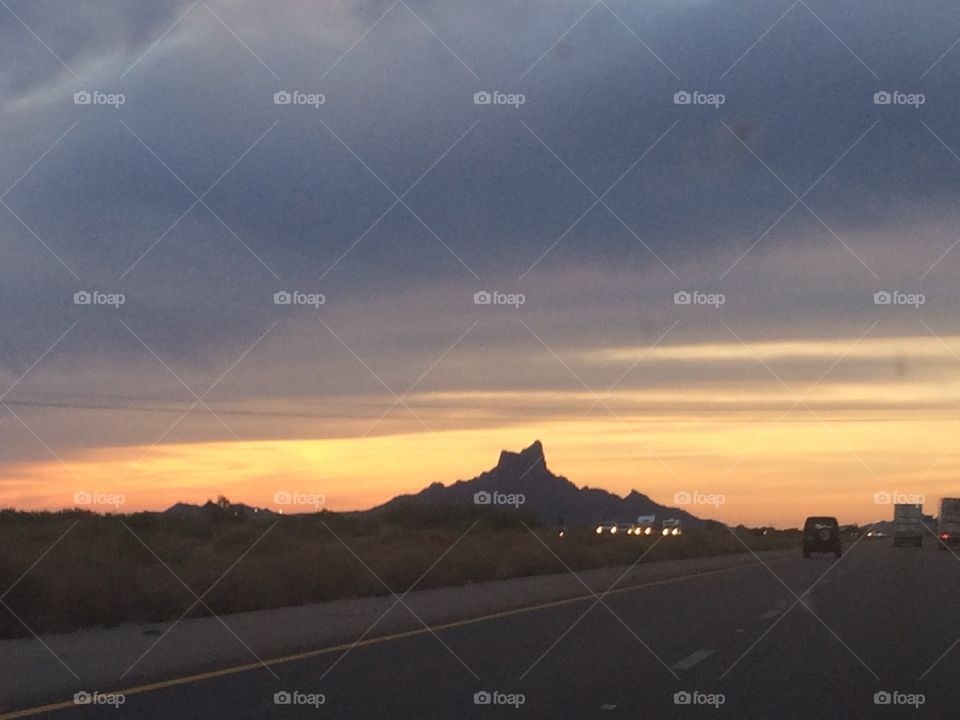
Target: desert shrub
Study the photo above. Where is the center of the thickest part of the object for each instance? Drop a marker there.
(100, 574)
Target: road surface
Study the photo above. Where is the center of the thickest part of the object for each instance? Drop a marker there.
(878, 620)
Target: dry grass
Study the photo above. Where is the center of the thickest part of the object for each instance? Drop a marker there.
(101, 574)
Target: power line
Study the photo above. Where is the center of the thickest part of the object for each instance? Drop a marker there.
(166, 409)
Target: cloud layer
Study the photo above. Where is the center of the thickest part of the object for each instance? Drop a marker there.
(797, 198)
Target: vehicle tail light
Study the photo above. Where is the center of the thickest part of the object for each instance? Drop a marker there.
(944, 536)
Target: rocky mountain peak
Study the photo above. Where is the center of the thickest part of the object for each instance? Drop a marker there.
(526, 461)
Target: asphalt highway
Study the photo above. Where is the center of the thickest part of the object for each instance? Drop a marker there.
(794, 638)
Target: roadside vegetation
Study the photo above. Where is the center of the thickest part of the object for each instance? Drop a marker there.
(112, 569)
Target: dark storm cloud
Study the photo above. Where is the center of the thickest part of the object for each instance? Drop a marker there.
(296, 197)
(76, 35)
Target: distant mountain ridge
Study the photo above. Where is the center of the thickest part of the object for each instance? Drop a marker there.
(212, 510)
(552, 498)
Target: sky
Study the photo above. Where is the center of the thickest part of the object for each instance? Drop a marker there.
(386, 195)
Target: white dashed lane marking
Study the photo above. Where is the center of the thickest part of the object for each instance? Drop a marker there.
(691, 660)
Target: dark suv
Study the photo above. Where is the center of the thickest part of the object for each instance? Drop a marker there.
(821, 535)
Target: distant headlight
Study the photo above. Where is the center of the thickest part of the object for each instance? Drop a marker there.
(649, 531)
(599, 531)
(666, 531)
(613, 530)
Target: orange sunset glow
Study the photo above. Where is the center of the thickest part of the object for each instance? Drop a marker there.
(766, 447)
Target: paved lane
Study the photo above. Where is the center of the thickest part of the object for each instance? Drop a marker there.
(877, 620)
